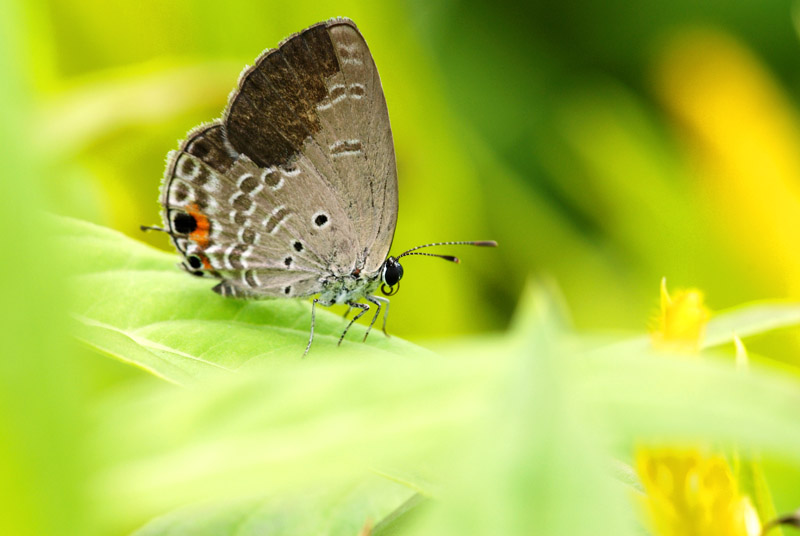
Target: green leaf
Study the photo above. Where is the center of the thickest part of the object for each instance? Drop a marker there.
(532, 458)
(655, 396)
(341, 511)
(397, 523)
(295, 425)
(132, 303)
(751, 319)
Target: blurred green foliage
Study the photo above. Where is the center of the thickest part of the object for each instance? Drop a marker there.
(604, 145)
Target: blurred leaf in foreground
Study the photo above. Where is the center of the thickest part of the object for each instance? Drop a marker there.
(525, 422)
(42, 425)
(341, 511)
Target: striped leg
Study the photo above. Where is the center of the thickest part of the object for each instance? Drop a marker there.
(378, 301)
(311, 337)
(364, 308)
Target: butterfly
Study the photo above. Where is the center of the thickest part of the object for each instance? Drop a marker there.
(293, 192)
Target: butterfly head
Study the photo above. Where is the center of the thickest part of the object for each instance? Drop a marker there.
(391, 274)
(392, 271)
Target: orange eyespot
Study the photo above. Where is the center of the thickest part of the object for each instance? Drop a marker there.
(200, 234)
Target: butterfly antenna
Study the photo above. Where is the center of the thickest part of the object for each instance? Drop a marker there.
(445, 257)
(481, 243)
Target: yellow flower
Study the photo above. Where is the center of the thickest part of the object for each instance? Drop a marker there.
(681, 322)
(689, 493)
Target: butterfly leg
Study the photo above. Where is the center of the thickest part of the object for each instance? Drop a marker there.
(378, 301)
(349, 308)
(364, 308)
(311, 337)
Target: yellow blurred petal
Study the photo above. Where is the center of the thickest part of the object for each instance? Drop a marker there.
(690, 492)
(746, 138)
(682, 320)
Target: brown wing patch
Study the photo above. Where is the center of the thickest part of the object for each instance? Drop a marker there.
(273, 110)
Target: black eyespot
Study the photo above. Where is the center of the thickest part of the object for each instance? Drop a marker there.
(194, 261)
(184, 223)
(287, 261)
(320, 220)
(298, 246)
(198, 273)
(287, 290)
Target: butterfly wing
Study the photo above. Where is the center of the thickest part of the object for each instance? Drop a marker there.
(298, 181)
(227, 226)
(319, 96)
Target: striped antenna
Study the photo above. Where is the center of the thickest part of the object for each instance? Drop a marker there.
(481, 243)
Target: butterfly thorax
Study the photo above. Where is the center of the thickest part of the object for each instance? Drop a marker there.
(349, 288)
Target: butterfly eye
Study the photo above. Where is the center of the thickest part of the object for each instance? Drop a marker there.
(392, 272)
